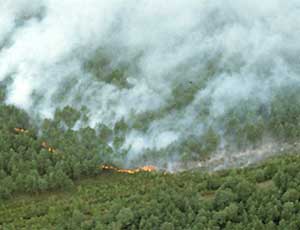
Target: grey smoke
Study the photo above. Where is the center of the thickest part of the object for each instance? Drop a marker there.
(230, 50)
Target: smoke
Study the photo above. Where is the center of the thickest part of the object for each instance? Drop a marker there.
(177, 60)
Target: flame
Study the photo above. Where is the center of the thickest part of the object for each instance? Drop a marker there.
(148, 168)
(108, 167)
(46, 146)
(20, 130)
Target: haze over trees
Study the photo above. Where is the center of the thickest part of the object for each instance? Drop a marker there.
(56, 158)
(170, 77)
(51, 154)
(91, 91)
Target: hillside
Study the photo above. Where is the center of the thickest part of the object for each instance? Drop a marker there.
(177, 82)
(259, 197)
(56, 177)
(149, 114)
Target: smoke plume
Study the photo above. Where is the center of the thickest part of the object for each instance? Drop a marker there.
(177, 66)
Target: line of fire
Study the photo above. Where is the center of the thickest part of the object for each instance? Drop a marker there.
(147, 168)
(105, 167)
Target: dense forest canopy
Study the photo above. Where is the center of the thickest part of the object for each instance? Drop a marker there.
(51, 165)
(51, 155)
(261, 197)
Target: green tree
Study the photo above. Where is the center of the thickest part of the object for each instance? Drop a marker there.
(125, 217)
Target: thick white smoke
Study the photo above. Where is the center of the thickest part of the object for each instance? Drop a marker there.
(229, 50)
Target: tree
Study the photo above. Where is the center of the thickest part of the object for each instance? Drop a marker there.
(291, 195)
(7, 187)
(223, 198)
(244, 190)
(167, 226)
(125, 217)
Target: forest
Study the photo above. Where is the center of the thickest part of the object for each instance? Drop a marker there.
(49, 154)
(264, 196)
(53, 177)
(159, 115)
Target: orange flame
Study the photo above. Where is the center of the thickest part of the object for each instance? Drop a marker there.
(148, 168)
(46, 146)
(108, 167)
(21, 130)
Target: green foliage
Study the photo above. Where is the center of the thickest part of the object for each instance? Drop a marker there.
(163, 201)
(51, 160)
(125, 217)
(284, 118)
(103, 70)
(38, 163)
(67, 115)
